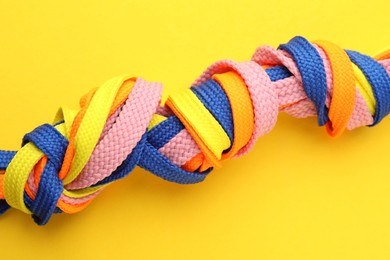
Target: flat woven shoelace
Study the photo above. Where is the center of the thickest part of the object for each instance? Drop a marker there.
(62, 167)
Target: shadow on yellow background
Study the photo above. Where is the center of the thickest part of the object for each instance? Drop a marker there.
(297, 195)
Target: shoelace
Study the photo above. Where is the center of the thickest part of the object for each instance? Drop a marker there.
(64, 166)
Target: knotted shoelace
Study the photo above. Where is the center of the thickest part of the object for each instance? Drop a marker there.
(64, 166)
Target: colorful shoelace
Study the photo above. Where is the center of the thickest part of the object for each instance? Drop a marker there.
(64, 166)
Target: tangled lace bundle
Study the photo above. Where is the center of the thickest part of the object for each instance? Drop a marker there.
(62, 167)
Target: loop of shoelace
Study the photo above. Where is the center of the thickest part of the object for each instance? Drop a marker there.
(63, 167)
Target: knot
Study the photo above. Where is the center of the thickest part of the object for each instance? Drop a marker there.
(64, 166)
(61, 168)
(53, 144)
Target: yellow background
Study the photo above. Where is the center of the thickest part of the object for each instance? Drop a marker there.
(297, 195)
